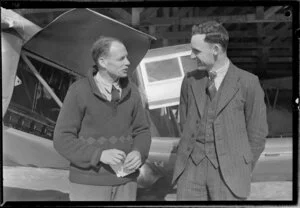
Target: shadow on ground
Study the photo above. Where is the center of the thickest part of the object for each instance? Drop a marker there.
(19, 194)
(158, 191)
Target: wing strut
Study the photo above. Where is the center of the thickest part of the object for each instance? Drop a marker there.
(40, 78)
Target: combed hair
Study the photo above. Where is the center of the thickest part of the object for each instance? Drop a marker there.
(214, 31)
(102, 46)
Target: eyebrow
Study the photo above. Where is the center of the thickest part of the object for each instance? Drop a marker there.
(122, 57)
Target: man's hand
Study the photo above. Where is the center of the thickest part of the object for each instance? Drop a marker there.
(133, 160)
(112, 156)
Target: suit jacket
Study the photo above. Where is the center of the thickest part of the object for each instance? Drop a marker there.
(240, 126)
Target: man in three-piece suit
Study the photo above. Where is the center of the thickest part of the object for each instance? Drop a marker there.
(223, 122)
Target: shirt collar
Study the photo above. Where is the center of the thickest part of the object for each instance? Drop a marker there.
(107, 85)
(222, 70)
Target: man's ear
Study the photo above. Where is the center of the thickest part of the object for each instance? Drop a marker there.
(217, 49)
(102, 62)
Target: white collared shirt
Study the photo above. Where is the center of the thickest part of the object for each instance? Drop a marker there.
(105, 87)
(221, 72)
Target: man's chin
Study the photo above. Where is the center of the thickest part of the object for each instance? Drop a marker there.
(124, 74)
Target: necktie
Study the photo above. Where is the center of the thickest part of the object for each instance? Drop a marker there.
(115, 95)
(211, 87)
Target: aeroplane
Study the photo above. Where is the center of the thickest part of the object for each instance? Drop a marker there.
(39, 65)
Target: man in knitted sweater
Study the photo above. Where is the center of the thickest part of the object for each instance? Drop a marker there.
(102, 124)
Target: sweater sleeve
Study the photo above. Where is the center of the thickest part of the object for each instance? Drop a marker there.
(140, 129)
(65, 141)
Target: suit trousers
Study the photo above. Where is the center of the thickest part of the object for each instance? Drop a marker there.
(124, 192)
(203, 182)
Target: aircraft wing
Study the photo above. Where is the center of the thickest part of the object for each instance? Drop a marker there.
(12, 22)
(68, 39)
(278, 83)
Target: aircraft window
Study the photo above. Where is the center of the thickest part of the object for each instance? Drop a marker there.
(188, 64)
(163, 69)
(32, 108)
(57, 79)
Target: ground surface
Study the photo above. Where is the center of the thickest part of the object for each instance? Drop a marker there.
(37, 184)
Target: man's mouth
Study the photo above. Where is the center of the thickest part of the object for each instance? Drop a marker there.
(201, 65)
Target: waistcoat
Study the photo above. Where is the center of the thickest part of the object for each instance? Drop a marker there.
(205, 140)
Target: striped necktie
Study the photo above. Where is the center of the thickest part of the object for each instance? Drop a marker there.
(211, 87)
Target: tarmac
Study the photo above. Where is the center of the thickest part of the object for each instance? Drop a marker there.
(264, 191)
(42, 184)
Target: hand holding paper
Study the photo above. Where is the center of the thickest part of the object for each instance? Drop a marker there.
(112, 156)
(133, 160)
(131, 164)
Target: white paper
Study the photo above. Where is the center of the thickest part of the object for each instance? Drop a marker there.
(120, 170)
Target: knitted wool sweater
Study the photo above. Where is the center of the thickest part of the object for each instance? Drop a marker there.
(88, 124)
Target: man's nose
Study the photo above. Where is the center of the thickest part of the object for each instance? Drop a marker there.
(127, 62)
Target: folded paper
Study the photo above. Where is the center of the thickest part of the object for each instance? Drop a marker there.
(120, 170)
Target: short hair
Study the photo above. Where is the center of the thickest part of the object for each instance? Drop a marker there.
(101, 47)
(214, 31)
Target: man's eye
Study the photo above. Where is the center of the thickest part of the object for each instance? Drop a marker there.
(195, 51)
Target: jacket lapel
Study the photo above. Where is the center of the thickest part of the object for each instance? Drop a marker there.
(198, 88)
(230, 88)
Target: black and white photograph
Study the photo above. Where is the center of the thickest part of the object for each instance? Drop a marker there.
(145, 103)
